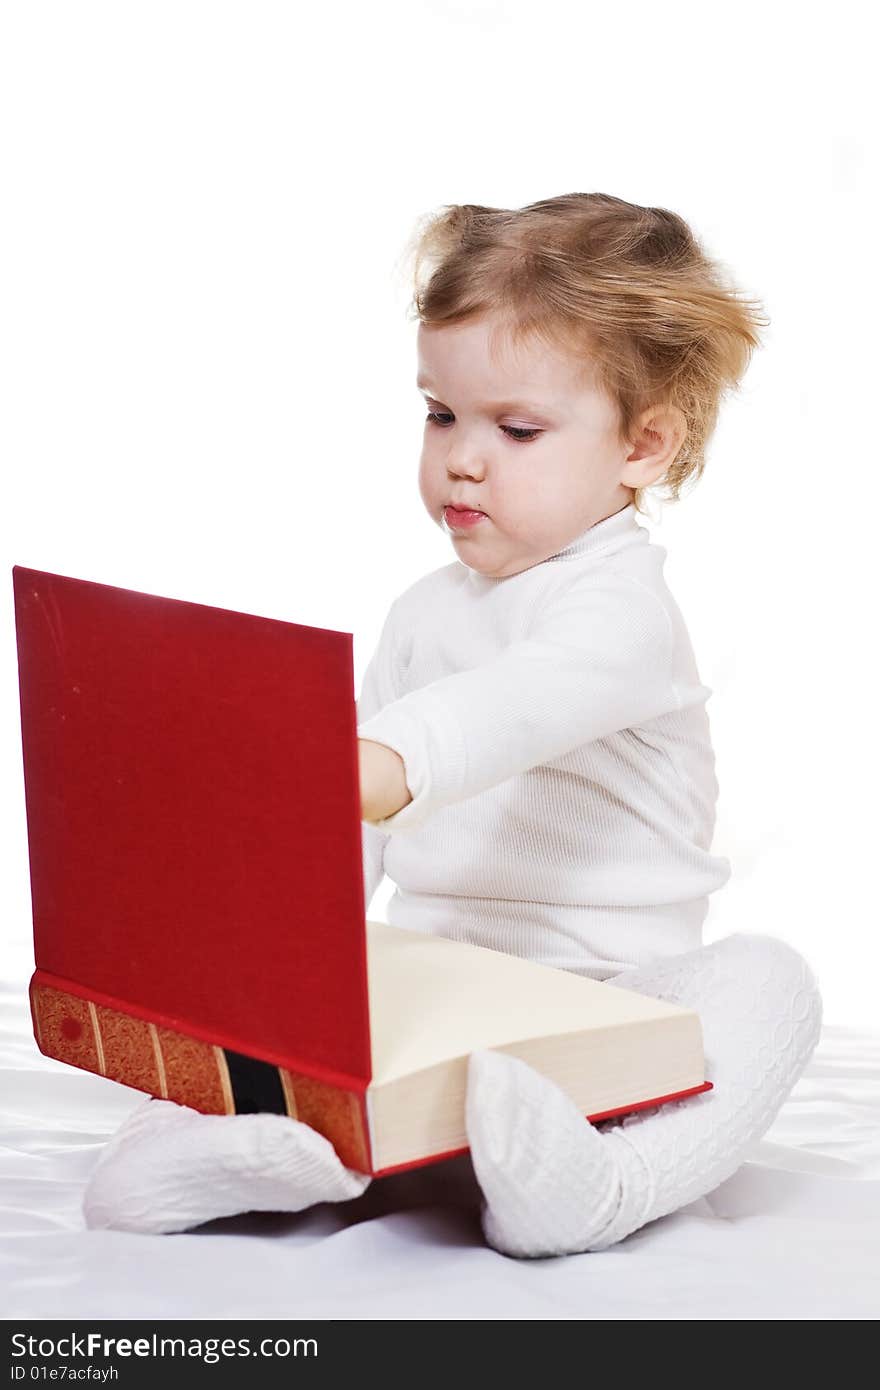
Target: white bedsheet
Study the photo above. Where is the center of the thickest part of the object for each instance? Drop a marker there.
(794, 1234)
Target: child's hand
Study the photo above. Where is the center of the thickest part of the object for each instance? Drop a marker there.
(382, 780)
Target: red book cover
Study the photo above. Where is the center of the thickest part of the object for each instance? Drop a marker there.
(191, 787)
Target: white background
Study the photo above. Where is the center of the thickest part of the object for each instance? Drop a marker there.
(208, 372)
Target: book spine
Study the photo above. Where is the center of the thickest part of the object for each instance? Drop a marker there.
(173, 1065)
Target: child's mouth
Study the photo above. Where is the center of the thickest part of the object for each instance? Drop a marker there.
(462, 517)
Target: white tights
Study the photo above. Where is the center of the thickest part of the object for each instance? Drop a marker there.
(551, 1182)
(555, 1185)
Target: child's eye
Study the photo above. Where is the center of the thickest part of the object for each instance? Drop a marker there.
(512, 431)
(516, 433)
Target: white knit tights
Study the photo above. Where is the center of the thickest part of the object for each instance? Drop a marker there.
(555, 1184)
(552, 1183)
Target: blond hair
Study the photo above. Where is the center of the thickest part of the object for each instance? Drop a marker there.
(627, 290)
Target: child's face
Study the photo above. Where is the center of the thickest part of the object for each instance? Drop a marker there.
(520, 437)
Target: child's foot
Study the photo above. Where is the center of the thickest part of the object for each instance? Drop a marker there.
(552, 1182)
(169, 1167)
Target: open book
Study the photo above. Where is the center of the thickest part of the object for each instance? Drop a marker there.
(433, 1001)
(193, 810)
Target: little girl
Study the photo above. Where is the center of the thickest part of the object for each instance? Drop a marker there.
(536, 768)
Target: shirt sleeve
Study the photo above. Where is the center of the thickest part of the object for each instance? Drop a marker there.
(597, 659)
(378, 688)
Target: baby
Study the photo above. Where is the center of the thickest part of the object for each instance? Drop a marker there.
(537, 774)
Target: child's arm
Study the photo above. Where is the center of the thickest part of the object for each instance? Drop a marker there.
(598, 659)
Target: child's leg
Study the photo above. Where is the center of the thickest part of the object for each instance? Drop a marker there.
(555, 1184)
(169, 1168)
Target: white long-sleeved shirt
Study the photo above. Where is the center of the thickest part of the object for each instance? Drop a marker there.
(554, 734)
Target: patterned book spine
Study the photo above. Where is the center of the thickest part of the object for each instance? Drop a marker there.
(174, 1066)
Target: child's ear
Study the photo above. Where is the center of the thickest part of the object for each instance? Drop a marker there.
(657, 437)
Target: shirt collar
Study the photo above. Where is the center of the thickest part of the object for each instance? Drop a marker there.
(610, 531)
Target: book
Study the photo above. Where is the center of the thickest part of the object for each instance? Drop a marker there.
(194, 840)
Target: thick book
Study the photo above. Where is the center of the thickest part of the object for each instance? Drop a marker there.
(194, 837)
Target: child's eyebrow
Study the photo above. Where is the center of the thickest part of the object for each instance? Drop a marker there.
(499, 405)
